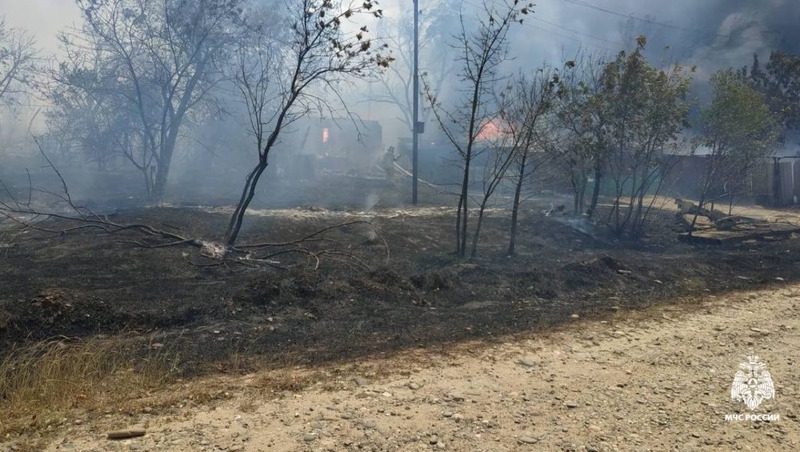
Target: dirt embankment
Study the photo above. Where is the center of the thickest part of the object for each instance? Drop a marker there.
(658, 379)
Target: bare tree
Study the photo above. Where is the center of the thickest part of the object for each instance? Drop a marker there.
(17, 57)
(500, 150)
(321, 51)
(88, 117)
(160, 56)
(397, 82)
(515, 132)
(529, 102)
(482, 49)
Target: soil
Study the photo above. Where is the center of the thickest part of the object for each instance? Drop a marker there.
(657, 379)
(399, 285)
(393, 290)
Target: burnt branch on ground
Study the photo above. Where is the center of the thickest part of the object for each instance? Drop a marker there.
(311, 248)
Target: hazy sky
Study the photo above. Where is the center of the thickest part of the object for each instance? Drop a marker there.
(557, 24)
(710, 33)
(41, 18)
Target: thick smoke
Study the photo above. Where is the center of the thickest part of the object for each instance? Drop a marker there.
(748, 27)
(711, 34)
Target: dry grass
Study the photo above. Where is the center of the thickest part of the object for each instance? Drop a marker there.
(287, 380)
(40, 384)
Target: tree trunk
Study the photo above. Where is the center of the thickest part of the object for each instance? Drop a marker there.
(458, 225)
(249, 190)
(730, 203)
(248, 193)
(476, 236)
(162, 173)
(776, 182)
(579, 189)
(598, 178)
(706, 186)
(512, 243)
(462, 247)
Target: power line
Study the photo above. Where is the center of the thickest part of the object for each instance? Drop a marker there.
(562, 35)
(644, 19)
(572, 38)
(29, 106)
(616, 43)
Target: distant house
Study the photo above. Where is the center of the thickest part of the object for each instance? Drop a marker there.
(337, 145)
(777, 181)
(774, 181)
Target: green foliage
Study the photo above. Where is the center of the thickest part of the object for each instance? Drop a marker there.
(779, 82)
(738, 126)
(642, 110)
(646, 107)
(616, 119)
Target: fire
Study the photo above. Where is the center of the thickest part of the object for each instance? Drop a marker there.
(491, 130)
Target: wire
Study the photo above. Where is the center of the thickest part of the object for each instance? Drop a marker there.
(12, 106)
(616, 43)
(527, 23)
(644, 19)
(572, 38)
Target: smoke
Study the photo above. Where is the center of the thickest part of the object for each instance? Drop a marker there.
(750, 27)
(43, 19)
(711, 34)
(708, 34)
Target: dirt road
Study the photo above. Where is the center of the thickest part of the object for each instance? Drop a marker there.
(653, 380)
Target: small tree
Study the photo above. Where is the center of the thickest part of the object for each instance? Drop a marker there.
(647, 108)
(90, 120)
(738, 128)
(17, 57)
(581, 145)
(529, 102)
(482, 48)
(500, 148)
(321, 51)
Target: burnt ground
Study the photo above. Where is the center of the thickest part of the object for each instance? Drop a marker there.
(417, 295)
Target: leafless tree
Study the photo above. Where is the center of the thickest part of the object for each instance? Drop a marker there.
(17, 58)
(482, 48)
(500, 149)
(158, 61)
(396, 85)
(320, 52)
(529, 102)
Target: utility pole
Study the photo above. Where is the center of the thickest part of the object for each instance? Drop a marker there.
(415, 127)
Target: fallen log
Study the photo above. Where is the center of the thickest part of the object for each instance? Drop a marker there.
(754, 231)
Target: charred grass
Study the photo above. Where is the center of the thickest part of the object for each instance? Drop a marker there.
(129, 322)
